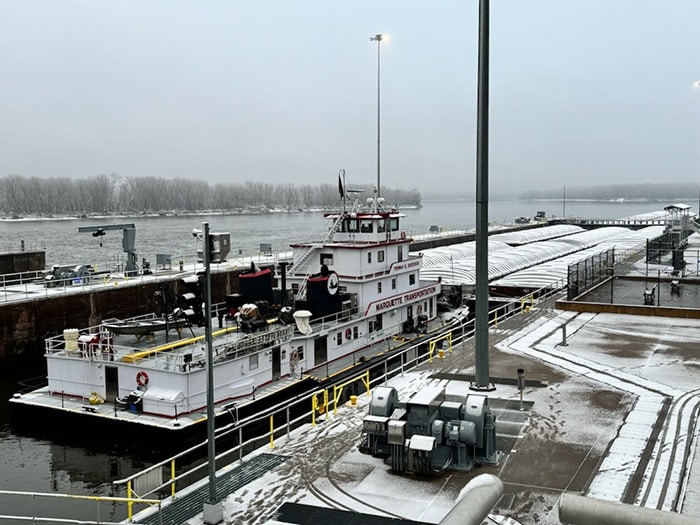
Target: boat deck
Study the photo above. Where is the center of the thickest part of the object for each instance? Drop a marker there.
(154, 351)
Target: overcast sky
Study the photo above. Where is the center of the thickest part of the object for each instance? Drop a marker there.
(583, 92)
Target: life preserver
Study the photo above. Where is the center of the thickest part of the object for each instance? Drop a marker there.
(142, 378)
(348, 334)
(294, 356)
(403, 235)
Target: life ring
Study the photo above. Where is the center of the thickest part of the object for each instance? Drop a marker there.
(142, 378)
(294, 356)
(403, 235)
(348, 334)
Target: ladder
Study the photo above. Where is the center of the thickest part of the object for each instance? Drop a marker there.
(301, 293)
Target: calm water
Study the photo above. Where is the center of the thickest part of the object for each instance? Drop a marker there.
(63, 244)
(32, 464)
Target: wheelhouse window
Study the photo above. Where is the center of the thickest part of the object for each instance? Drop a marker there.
(394, 224)
(327, 259)
(366, 226)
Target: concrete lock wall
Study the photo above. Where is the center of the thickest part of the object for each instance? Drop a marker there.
(22, 262)
(25, 325)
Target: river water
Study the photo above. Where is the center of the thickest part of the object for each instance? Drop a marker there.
(29, 463)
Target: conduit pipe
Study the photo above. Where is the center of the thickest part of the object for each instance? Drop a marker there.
(475, 501)
(579, 510)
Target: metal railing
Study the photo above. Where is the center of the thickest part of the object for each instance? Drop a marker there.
(278, 421)
(32, 285)
(98, 500)
(241, 437)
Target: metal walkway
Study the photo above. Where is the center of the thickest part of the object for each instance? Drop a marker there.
(190, 505)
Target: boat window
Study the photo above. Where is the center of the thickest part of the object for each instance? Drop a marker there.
(327, 259)
(375, 325)
(355, 332)
(393, 283)
(366, 226)
(399, 256)
(381, 226)
(339, 338)
(379, 287)
(253, 361)
(412, 279)
(369, 257)
(394, 224)
(380, 256)
(353, 226)
(300, 352)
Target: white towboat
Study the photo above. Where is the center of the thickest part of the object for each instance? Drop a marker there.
(336, 302)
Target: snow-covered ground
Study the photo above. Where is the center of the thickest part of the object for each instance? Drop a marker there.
(586, 432)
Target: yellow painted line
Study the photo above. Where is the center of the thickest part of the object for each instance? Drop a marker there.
(135, 356)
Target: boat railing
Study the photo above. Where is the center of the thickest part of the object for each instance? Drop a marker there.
(98, 344)
(333, 319)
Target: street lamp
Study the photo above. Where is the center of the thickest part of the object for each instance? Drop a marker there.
(378, 38)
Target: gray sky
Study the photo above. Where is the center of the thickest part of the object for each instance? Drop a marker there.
(583, 92)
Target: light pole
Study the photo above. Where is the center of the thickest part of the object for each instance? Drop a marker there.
(213, 506)
(378, 38)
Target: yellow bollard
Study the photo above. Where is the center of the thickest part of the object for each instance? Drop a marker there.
(441, 354)
(353, 400)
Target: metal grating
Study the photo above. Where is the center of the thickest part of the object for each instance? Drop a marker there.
(299, 514)
(191, 505)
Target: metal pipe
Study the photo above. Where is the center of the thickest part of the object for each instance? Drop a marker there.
(475, 501)
(580, 510)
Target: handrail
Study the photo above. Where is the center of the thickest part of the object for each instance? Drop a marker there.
(330, 402)
(98, 499)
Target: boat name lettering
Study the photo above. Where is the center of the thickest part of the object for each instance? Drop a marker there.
(419, 293)
(389, 303)
(407, 265)
(399, 300)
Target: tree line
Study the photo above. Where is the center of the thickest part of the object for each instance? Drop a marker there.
(642, 192)
(113, 194)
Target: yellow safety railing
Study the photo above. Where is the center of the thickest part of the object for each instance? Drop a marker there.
(433, 344)
(527, 302)
(338, 389)
(320, 407)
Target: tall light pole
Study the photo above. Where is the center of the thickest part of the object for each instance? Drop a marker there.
(213, 506)
(378, 38)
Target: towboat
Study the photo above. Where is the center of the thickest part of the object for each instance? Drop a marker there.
(338, 302)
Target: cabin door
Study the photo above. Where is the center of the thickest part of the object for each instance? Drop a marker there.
(276, 363)
(320, 350)
(111, 383)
